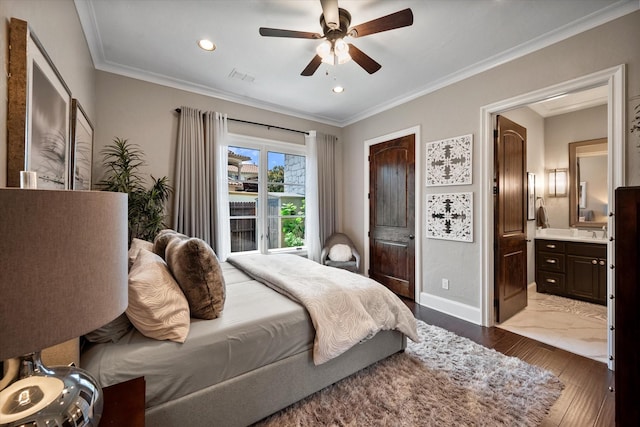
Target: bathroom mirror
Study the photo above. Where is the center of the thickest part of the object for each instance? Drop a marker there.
(588, 195)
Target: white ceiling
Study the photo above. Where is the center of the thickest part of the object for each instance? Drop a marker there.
(569, 102)
(155, 40)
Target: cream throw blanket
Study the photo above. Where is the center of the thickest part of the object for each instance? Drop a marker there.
(345, 308)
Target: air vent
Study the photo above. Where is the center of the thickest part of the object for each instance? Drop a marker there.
(235, 74)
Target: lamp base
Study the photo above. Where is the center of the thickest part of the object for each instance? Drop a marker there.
(51, 397)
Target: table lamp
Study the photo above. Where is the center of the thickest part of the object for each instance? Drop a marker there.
(63, 273)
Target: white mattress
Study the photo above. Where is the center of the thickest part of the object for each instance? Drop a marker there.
(257, 327)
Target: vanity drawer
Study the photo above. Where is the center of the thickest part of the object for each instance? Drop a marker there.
(550, 282)
(550, 246)
(588, 250)
(550, 261)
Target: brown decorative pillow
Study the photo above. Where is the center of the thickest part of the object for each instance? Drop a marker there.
(157, 306)
(162, 240)
(197, 271)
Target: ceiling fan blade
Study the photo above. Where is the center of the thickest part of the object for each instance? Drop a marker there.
(331, 14)
(400, 19)
(312, 67)
(275, 32)
(363, 60)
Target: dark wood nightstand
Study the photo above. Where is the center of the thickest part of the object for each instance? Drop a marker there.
(124, 404)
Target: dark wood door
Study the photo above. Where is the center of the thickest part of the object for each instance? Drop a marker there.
(626, 302)
(510, 218)
(392, 214)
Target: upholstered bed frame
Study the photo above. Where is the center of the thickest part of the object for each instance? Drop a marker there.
(248, 398)
(255, 357)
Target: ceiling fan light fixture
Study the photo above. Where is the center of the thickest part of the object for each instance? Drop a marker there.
(329, 59)
(343, 58)
(207, 45)
(338, 89)
(324, 49)
(340, 47)
(341, 50)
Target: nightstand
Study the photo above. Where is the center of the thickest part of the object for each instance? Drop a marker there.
(124, 404)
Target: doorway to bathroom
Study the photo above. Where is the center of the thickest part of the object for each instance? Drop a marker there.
(612, 80)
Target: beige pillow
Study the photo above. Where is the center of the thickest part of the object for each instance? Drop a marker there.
(162, 240)
(157, 306)
(136, 245)
(197, 271)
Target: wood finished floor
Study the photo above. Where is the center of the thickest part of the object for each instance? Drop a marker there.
(585, 401)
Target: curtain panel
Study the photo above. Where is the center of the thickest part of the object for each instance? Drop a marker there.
(201, 151)
(326, 146)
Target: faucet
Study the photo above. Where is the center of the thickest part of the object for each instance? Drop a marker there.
(604, 231)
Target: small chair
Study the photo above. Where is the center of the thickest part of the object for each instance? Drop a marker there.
(353, 264)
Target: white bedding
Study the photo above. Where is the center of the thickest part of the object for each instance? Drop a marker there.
(345, 307)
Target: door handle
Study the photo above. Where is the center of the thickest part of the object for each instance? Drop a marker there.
(411, 237)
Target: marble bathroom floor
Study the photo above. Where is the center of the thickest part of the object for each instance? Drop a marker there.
(576, 326)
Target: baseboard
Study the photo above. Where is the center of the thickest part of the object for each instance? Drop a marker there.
(452, 308)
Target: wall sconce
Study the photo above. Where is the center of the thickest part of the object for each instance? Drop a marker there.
(557, 182)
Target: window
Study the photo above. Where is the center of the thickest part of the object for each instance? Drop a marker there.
(266, 184)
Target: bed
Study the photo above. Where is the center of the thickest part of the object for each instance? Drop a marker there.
(257, 357)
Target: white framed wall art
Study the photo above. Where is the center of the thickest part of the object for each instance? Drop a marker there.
(450, 216)
(449, 161)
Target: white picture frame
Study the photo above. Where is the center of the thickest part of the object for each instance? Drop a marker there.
(450, 216)
(450, 161)
(81, 147)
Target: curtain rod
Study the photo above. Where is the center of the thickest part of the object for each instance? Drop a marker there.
(261, 124)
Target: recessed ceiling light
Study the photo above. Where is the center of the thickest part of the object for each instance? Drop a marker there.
(338, 89)
(206, 45)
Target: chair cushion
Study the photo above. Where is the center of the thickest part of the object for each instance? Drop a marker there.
(340, 252)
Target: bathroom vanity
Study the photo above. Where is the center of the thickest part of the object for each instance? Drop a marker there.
(573, 266)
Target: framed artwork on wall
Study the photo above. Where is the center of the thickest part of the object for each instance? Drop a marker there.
(39, 107)
(531, 196)
(81, 147)
(450, 216)
(449, 161)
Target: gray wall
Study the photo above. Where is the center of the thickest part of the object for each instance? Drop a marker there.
(143, 112)
(559, 132)
(454, 110)
(57, 26)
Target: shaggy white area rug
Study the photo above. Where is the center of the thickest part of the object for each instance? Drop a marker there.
(445, 380)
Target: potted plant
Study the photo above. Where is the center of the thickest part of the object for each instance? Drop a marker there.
(122, 161)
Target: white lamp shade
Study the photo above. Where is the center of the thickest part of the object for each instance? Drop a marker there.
(63, 265)
(324, 49)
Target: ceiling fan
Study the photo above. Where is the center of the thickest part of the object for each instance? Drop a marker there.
(335, 23)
